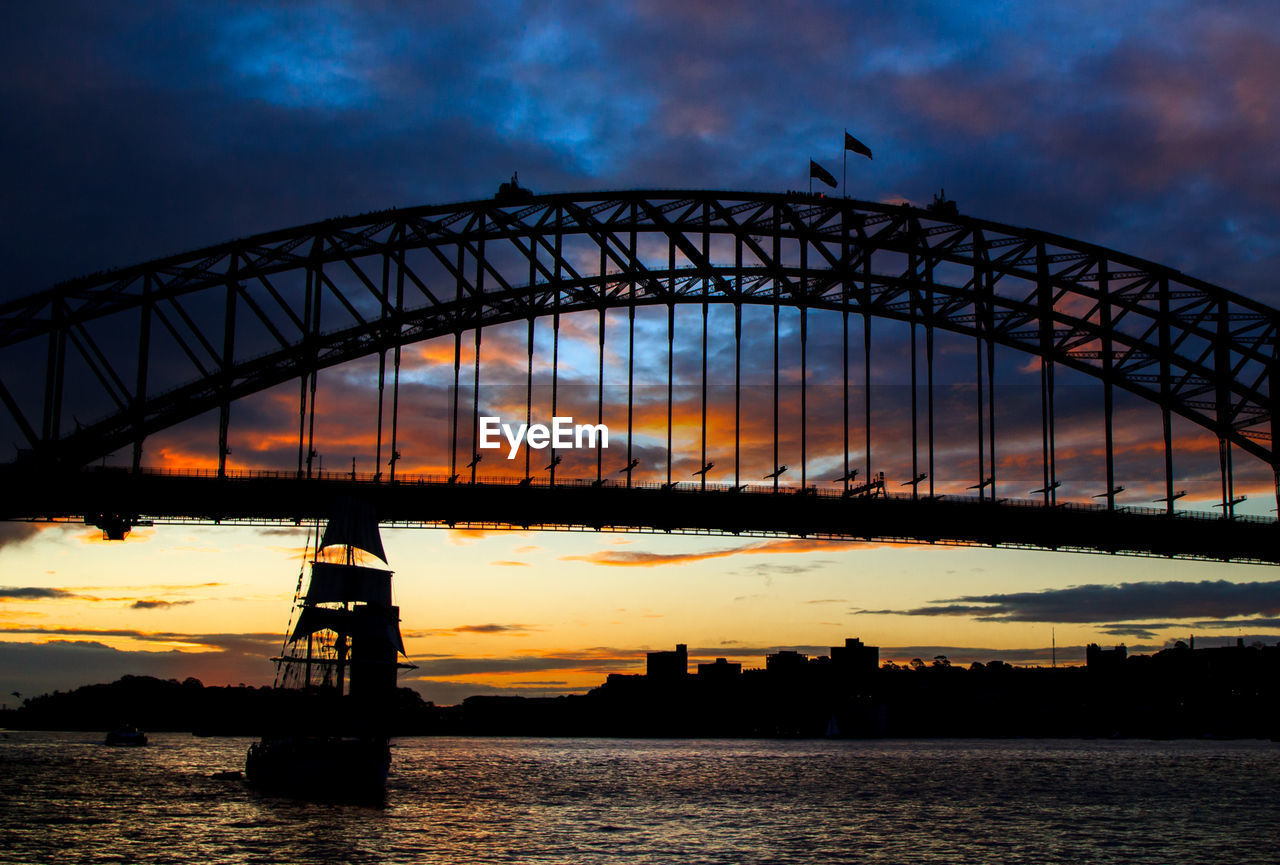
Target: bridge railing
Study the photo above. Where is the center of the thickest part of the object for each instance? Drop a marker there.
(431, 479)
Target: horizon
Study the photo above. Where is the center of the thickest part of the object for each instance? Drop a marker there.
(892, 657)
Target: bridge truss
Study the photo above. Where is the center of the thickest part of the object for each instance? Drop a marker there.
(151, 346)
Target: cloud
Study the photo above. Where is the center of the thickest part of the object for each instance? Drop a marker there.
(443, 692)
(461, 537)
(493, 629)
(769, 569)
(644, 559)
(1113, 603)
(280, 531)
(490, 628)
(14, 533)
(260, 644)
(1148, 630)
(79, 594)
(34, 592)
(1141, 631)
(1223, 624)
(40, 667)
(459, 666)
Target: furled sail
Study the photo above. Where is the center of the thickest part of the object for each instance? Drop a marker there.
(354, 524)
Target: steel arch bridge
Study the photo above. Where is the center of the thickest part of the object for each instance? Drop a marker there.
(154, 345)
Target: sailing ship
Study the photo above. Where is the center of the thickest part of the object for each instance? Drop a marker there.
(339, 663)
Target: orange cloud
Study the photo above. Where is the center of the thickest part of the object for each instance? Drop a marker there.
(644, 559)
(265, 426)
(466, 536)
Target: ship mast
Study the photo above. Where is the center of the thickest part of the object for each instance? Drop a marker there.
(347, 612)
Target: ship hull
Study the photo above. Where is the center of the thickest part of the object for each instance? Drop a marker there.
(317, 767)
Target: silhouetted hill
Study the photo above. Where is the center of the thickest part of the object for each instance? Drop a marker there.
(167, 704)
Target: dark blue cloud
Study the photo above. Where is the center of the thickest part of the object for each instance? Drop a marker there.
(33, 593)
(1121, 604)
(160, 127)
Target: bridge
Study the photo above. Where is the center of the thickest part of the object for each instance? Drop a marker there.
(883, 346)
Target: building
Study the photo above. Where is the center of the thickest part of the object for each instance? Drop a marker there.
(667, 666)
(719, 673)
(855, 658)
(1098, 658)
(786, 663)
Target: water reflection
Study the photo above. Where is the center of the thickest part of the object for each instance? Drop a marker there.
(502, 800)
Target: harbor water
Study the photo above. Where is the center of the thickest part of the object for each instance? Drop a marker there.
(64, 797)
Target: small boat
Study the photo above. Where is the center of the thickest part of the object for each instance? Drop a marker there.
(340, 661)
(126, 734)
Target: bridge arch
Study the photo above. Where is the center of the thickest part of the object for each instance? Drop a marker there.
(402, 276)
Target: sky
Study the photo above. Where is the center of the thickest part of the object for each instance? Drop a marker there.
(141, 130)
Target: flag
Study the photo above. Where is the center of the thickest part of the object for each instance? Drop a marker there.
(817, 172)
(851, 143)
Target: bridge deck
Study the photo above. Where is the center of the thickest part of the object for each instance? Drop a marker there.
(112, 498)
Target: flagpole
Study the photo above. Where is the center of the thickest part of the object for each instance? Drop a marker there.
(844, 168)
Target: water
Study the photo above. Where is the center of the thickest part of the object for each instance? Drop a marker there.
(66, 798)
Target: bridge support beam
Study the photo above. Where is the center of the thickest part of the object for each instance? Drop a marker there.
(228, 364)
(116, 497)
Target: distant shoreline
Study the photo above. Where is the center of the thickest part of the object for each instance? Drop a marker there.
(1230, 693)
(888, 740)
